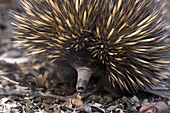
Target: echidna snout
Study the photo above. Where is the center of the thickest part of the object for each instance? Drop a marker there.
(85, 66)
(84, 74)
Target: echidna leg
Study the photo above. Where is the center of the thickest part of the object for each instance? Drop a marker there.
(84, 74)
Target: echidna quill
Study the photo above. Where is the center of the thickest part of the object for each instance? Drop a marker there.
(129, 38)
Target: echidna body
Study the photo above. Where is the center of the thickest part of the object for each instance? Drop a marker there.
(129, 38)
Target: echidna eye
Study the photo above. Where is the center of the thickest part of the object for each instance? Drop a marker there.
(75, 61)
(95, 65)
(91, 64)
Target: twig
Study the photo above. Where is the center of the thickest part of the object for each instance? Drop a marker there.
(3, 77)
(29, 94)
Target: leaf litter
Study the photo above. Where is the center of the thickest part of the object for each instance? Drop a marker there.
(28, 87)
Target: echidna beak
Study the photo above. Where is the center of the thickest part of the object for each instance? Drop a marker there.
(81, 85)
(84, 74)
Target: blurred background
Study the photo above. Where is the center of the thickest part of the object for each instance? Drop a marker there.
(6, 29)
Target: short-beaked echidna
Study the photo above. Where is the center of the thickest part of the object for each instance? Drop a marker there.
(128, 38)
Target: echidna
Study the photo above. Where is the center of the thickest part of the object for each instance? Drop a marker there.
(129, 39)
